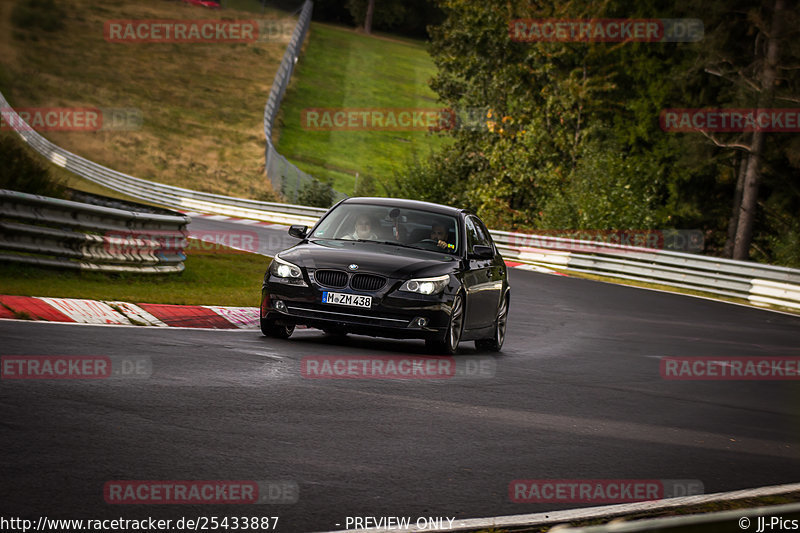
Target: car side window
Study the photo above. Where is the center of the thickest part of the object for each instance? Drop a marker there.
(483, 233)
(472, 233)
(476, 233)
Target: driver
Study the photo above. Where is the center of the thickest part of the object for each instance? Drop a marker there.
(439, 234)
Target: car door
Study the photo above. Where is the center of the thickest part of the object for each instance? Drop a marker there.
(483, 278)
(499, 272)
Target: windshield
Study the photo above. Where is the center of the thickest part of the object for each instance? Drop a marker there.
(403, 227)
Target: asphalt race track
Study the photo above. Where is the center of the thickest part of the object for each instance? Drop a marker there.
(577, 393)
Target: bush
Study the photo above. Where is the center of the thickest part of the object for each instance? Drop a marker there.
(429, 180)
(365, 186)
(43, 15)
(316, 194)
(20, 172)
(607, 189)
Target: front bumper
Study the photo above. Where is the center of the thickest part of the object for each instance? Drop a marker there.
(392, 313)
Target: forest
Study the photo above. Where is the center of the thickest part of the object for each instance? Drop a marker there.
(577, 130)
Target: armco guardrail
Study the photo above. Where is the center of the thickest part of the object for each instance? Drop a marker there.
(187, 199)
(285, 177)
(760, 284)
(61, 233)
(286, 68)
(779, 517)
(279, 170)
(176, 197)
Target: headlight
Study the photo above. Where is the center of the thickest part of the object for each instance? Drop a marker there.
(426, 285)
(284, 269)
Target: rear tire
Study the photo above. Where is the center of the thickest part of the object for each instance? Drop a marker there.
(271, 329)
(455, 326)
(495, 344)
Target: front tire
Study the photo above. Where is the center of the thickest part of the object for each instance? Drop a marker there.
(455, 326)
(495, 344)
(270, 329)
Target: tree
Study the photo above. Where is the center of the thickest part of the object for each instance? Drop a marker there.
(368, 17)
(365, 15)
(768, 43)
(549, 108)
(570, 133)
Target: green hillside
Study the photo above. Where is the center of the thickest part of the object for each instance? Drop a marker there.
(201, 105)
(342, 68)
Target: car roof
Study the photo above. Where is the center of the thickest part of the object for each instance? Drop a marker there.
(405, 204)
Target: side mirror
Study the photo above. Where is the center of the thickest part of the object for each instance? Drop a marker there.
(480, 251)
(296, 230)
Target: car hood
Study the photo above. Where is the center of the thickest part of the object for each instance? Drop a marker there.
(385, 259)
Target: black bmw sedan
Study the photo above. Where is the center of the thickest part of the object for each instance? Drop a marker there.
(391, 268)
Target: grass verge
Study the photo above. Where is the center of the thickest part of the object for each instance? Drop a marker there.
(342, 68)
(201, 104)
(212, 277)
(52, 181)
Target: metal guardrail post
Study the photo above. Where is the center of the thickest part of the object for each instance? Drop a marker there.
(724, 277)
(52, 232)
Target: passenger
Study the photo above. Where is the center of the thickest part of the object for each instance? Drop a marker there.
(362, 230)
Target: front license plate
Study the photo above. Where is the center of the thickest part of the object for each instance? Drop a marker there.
(352, 300)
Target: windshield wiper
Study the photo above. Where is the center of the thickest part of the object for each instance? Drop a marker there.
(395, 243)
(404, 245)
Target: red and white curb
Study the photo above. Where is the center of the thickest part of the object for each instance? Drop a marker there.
(532, 268)
(82, 311)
